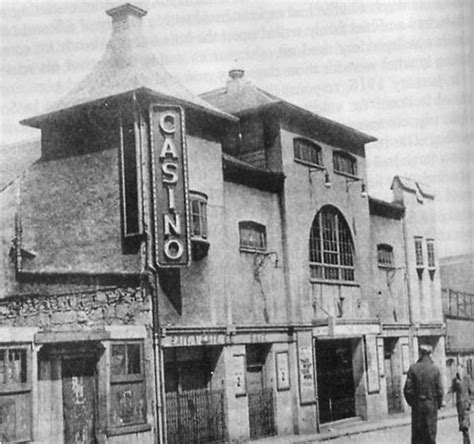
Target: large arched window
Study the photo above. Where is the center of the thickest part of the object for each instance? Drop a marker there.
(331, 250)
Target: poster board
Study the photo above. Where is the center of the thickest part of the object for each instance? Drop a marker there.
(239, 374)
(306, 371)
(282, 371)
(372, 364)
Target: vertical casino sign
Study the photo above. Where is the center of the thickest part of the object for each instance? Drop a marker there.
(170, 187)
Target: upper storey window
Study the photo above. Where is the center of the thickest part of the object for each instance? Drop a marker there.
(252, 236)
(129, 177)
(385, 255)
(419, 252)
(431, 253)
(344, 163)
(331, 250)
(307, 152)
(198, 206)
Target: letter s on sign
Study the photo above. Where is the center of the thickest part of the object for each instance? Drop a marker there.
(170, 174)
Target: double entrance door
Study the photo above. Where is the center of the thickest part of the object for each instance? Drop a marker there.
(336, 389)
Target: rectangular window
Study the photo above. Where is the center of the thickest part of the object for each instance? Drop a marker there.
(129, 180)
(198, 215)
(127, 385)
(252, 236)
(431, 253)
(307, 152)
(15, 394)
(344, 163)
(419, 252)
(385, 255)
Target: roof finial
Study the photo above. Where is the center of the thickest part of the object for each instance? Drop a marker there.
(236, 72)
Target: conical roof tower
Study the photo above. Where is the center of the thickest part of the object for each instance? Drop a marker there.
(127, 65)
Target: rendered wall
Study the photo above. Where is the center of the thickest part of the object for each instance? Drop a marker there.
(305, 195)
(389, 296)
(70, 215)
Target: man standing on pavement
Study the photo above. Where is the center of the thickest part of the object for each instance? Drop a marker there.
(463, 389)
(424, 394)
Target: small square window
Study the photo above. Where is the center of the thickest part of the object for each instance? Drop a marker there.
(252, 236)
(385, 255)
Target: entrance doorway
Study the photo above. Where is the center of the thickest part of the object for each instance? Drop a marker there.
(79, 399)
(195, 409)
(392, 376)
(260, 397)
(336, 389)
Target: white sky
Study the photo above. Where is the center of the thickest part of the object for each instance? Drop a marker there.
(398, 70)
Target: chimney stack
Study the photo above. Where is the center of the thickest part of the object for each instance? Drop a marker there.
(126, 16)
(236, 81)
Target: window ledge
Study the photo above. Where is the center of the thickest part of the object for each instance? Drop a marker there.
(127, 429)
(387, 267)
(310, 164)
(347, 175)
(252, 250)
(328, 282)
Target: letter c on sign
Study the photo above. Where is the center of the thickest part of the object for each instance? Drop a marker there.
(168, 122)
(173, 249)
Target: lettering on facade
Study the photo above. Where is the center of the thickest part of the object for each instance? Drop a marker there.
(257, 338)
(170, 189)
(192, 340)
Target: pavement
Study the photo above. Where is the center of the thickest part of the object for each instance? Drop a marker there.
(394, 429)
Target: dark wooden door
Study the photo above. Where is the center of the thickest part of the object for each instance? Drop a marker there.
(260, 398)
(79, 394)
(336, 389)
(393, 378)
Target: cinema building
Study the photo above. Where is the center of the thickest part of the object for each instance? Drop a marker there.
(204, 269)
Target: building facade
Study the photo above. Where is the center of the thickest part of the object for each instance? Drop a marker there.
(198, 269)
(457, 284)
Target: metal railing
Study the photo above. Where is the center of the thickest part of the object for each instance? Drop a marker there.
(195, 417)
(261, 413)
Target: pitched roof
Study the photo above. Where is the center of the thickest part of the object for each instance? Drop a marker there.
(413, 186)
(128, 64)
(241, 96)
(249, 98)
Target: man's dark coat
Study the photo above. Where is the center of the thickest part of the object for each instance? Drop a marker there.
(424, 393)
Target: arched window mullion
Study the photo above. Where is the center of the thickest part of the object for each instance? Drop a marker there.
(335, 247)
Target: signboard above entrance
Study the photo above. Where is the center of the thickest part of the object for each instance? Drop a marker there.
(170, 188)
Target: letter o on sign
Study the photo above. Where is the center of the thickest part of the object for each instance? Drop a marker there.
(168, 123)
(173, 249)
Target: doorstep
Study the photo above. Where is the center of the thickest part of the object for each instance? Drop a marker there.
(352, 426)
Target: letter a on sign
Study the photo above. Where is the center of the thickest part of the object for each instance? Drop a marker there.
(171, 241)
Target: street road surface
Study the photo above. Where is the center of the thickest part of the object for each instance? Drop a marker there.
(447, 434)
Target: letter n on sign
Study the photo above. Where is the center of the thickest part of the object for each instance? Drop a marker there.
(170, 187)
